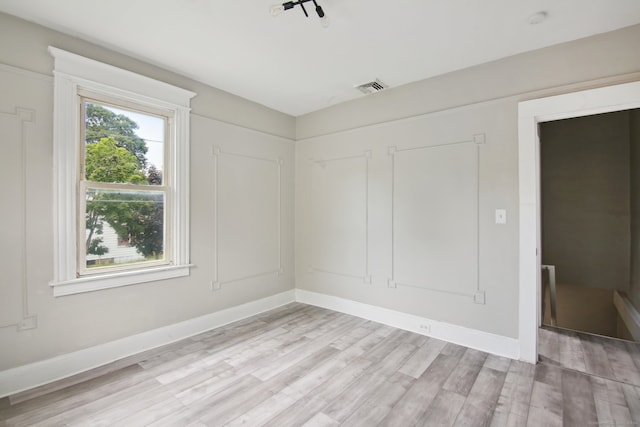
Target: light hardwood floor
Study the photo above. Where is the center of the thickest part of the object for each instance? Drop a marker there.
(302, 365)
(610, 358)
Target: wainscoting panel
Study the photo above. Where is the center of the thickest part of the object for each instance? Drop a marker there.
(340, 212)
(435, 227)
(13, 211)
(434, 182)
(247, 216)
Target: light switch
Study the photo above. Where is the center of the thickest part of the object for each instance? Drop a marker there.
(501, 216)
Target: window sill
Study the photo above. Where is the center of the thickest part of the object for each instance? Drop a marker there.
(113, 280)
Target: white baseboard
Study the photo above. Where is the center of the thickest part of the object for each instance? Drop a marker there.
(25, 377)
(39, 373)
(472, 338)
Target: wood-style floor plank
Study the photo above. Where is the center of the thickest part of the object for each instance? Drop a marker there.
(632, 396)
(482, 399)
(378, 405)
(300, 365)
(464, 376)
(571, 354)
(411, 409)
(86, 411)
(622, 364)
(579, 408)
(423, 357)
(444, 409)
(367, 385)
(548, 346)
(77, 394)
(610, 358)
(321, 420)
(260, 414)
(595, 356)
(312, 403)
(512, 408)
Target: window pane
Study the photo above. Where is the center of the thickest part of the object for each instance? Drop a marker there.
(122, 146)
(124, 227)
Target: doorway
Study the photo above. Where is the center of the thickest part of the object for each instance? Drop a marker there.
(530, 115)
(590, 217)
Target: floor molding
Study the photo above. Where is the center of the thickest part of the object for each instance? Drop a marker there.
(25, 377)
(39, 373)
(472, 338)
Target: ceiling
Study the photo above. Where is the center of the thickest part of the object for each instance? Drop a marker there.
(293, 65)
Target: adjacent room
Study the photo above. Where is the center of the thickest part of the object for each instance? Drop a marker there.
(589, 191)
(319, 213)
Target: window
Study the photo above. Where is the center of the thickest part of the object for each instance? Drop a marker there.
(122, 194)
(120, 177)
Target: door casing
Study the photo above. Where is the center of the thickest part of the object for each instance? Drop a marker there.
(530, 114)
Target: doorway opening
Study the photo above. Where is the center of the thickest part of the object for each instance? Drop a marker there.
(530, 115)
(590, 220)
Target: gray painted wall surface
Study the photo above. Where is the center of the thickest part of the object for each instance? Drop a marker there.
(585, 309)
(75, 322)
(586, 217)
(425, 114)
(634, 133)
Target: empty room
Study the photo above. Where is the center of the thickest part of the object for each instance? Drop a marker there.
(319, 213)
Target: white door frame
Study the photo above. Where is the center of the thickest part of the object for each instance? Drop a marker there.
(530, 114)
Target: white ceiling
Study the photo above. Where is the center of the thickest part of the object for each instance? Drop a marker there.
(291, 64)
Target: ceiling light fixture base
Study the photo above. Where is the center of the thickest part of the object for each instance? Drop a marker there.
(277, 9)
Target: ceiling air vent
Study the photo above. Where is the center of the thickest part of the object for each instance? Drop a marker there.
(371, 87)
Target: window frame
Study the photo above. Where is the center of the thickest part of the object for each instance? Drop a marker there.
(75, 75)
(83, 185)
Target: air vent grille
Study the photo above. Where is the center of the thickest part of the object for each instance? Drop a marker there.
(371, 87)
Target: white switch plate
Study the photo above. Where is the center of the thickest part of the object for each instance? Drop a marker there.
(501, 216)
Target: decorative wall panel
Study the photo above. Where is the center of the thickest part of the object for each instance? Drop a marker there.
(340, 216)
(435, 215)
(247, 217)
(13, 227)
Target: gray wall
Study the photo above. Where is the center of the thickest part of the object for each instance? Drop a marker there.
(408, 180)
(586, 217)
(634, 133)
(585, 309)
(70, 323)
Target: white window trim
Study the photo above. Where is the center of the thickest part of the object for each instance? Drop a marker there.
(71, 73)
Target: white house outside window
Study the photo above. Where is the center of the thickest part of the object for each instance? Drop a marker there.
(120, 177)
